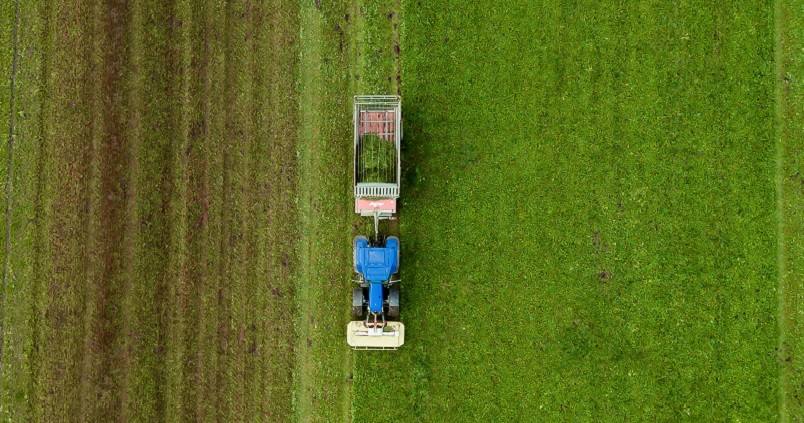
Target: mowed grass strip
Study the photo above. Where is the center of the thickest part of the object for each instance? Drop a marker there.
(106, 200)
(17, 380)
(588, 215)
(150, 268)
(322, 377)
(790, 174)
(276, 116)
(156, 116)
(8, 16)
(227, 280)
(68, 143)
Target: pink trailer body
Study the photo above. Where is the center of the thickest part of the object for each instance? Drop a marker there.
(370, 206)
(378, 123)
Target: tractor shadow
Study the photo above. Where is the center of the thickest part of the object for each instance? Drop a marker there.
(413, 151)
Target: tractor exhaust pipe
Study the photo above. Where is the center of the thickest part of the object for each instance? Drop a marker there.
(376, 226)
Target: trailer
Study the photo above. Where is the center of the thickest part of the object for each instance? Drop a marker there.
(377, 160)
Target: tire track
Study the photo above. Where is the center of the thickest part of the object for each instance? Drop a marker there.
(239, 133)
(177, 279)
(209, 177)
(214, 110)
(309, 130)
(253, 290)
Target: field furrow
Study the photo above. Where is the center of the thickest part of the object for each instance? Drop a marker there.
(105, 211)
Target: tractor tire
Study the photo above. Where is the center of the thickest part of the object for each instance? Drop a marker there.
(393, 302)
(357, 303)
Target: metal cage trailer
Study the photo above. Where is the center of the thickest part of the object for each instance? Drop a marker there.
(377, 159)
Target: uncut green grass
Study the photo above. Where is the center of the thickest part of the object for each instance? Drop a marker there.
(588, 215)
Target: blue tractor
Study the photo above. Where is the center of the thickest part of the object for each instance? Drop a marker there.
(375, 302)
(377, 169)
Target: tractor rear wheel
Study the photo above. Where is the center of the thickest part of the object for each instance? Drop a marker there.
(393, 302)
(357, 303)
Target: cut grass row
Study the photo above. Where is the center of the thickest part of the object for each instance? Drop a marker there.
(619, 263)
(346, 49)
(790, 187)
(153, 231)
(322, 373)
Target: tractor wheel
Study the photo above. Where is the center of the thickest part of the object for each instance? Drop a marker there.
(357, 303)
(393, 302)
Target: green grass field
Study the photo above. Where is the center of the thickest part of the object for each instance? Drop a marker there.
(589, 217)
(601, 212)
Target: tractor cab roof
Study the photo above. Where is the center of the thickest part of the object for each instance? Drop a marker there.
(377, 264)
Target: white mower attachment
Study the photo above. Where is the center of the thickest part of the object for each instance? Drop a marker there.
(359, 336)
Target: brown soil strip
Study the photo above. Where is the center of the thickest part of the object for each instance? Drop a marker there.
(103, 358)
(71, 124)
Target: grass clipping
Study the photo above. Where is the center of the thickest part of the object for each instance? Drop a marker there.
(377, 161)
